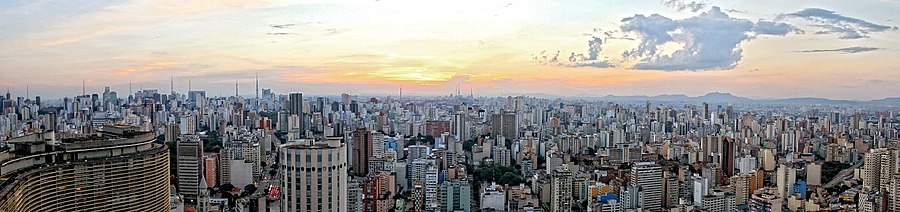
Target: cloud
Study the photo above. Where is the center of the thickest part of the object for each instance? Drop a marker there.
(281, 26)
(281, 33)
(774, 28)
(547, 58)
(654, 31)
(847, 50)
(680, 5)
(710, 40)
(577, 59)
(832, 23)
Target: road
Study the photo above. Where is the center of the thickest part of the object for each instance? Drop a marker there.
(843, 175)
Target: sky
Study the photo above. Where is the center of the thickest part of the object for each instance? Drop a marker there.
(759, 49)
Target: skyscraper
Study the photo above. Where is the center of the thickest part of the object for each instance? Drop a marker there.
(727, 157)
(315, 175)
(505, 125)
(460, 127)
(295, 107)
(362, 151)
(561, 189)
(189, 158)
(646, 177)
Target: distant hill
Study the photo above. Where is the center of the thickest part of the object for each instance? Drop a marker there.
(726, 98)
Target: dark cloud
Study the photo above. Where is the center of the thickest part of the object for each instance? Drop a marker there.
(774, 28)
(281, 26)
(710, 40)
(653, 29)
(281, 33)
(547, 58)
(591, 59)
(833, 23)
(847, 50)
(680, 5)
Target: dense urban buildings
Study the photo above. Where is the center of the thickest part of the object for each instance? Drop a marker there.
(446, 153)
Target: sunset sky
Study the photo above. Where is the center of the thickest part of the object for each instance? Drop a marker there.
(759, 49)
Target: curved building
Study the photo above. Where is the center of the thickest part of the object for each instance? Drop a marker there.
(117, 169)
(314, 175)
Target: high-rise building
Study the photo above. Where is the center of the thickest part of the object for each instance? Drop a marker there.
(314, 176)
(122, 170)
(355, 196)
(646, 177)
(460, 126)
(295, 107)
(505, 125)
(362, 151)
(700, 189)
(785, 178)
(189, 155)
(456, 196)
(211, 166)
(705, 111)
(880, 165)
(741, 186)
(719, 200)
(814, 174)
(728, 156)
(561, 189)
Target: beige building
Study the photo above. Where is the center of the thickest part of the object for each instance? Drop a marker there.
(118, 170)
(314, 175)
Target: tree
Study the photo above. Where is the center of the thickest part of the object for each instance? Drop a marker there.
(510, 178)
(467, 145)
(227, 187)
(248, 190)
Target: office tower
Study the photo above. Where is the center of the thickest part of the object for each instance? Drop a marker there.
(295, 107)
(561, 189)
(124, 170)
(460, 127)
(456, 196)
(646, 178)
(189, 157)
(315, 175)
(705, 111)
(362, 151)
(505, 125)
(728, 156)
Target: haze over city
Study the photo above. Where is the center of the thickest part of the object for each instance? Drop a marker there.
(449, 106)
(757, 49)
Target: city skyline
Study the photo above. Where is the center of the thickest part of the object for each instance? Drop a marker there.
(835, 50)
